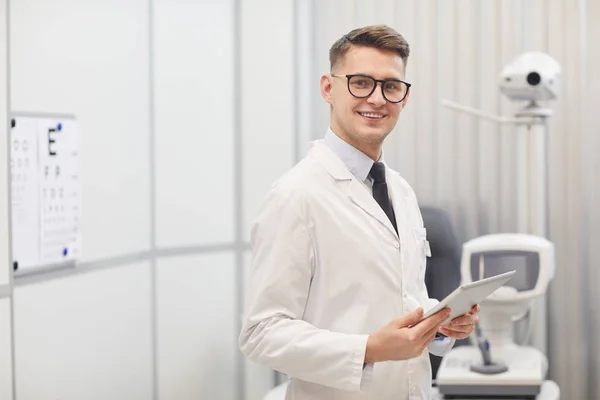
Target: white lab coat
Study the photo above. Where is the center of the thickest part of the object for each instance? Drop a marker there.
(327, 270)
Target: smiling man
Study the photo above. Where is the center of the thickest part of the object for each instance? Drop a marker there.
(336, 292)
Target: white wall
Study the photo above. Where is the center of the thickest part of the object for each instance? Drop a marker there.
(6, 373)
(197, 354)
(178, 104)
(4, 127)
(268, 98)
(194, 119)
(92, 61)
(94, 330)
(86, 336)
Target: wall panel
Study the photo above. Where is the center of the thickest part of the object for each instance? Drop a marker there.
(268, 143)
(258, 378)
(325, 34)
(508, 48)
(447, 118)
(87, 336)
(404, 136)
(193, 121)
(591, 182)
(90, 59)
(466, 137)
(5, 265)
(197, 338)
(489, 131)
(6, 374)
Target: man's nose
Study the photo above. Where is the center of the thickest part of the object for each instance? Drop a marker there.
(376, 98)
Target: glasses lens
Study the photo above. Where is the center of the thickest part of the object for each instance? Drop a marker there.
(361, 86)
(395, 91)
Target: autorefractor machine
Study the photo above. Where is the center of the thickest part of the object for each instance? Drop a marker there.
(497, 366)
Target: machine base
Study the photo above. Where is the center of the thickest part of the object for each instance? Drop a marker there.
(489, 392)
(489, 369)
(458, 375)
(549, 391)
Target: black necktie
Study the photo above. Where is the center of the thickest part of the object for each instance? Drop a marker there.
(380, 191)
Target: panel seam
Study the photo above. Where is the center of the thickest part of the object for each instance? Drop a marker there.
(11, 279)
(238, 192)
(152, 205)
(70, 269)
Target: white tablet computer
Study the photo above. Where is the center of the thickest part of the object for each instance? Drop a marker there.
(466, 296)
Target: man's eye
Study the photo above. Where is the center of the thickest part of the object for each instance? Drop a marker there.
(391, 86)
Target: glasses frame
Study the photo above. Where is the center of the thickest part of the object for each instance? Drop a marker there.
(382, 81)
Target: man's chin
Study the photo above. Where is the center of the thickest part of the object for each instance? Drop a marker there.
(373, 135)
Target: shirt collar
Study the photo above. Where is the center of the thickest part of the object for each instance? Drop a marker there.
(355, 160)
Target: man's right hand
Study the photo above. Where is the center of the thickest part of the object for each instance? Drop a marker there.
(404, 337)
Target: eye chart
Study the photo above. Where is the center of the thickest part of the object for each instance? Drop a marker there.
(45, 191)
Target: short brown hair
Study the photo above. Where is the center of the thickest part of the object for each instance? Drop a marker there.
(381, 37)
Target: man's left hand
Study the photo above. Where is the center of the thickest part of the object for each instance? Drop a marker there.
(461, 327)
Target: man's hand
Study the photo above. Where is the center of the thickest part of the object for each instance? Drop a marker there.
(461, 327)
(404, 337)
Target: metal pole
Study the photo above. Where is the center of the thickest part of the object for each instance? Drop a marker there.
(538, 218)
(523, 197)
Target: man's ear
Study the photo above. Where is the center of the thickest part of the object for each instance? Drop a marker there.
(405, 99)
(326, 87)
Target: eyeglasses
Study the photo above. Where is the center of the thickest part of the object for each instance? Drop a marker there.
(362, 86)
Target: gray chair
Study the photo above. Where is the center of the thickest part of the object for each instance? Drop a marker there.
(442, 274)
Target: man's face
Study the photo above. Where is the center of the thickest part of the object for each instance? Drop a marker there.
(363, 120)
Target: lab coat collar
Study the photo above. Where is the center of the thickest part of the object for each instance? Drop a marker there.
(355, 160)
(355, 189)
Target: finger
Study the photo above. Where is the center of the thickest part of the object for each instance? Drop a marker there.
(435, 329)
(457, 333)
(432, 323)
(430, 338)
(447, 332)
(459, 329)
(465, 320)
(453, 334)
(427, 340)
(409, 319)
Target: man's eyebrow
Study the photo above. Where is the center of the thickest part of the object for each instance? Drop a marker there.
(387, 78)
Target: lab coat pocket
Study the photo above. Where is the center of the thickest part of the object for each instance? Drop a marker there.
(422, 242)
(423, 251)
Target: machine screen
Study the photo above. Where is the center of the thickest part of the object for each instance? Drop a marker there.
(526, 263)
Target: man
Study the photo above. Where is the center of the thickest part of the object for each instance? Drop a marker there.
(337, 287)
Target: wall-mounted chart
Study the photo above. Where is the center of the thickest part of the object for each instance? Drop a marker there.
(45, 191)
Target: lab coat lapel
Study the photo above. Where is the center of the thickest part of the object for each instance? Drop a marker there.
(398, 198)
(361, 197)
(355, 189)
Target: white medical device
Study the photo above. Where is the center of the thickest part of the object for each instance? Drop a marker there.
(528, 80)
(532, 76)
(498, 366)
